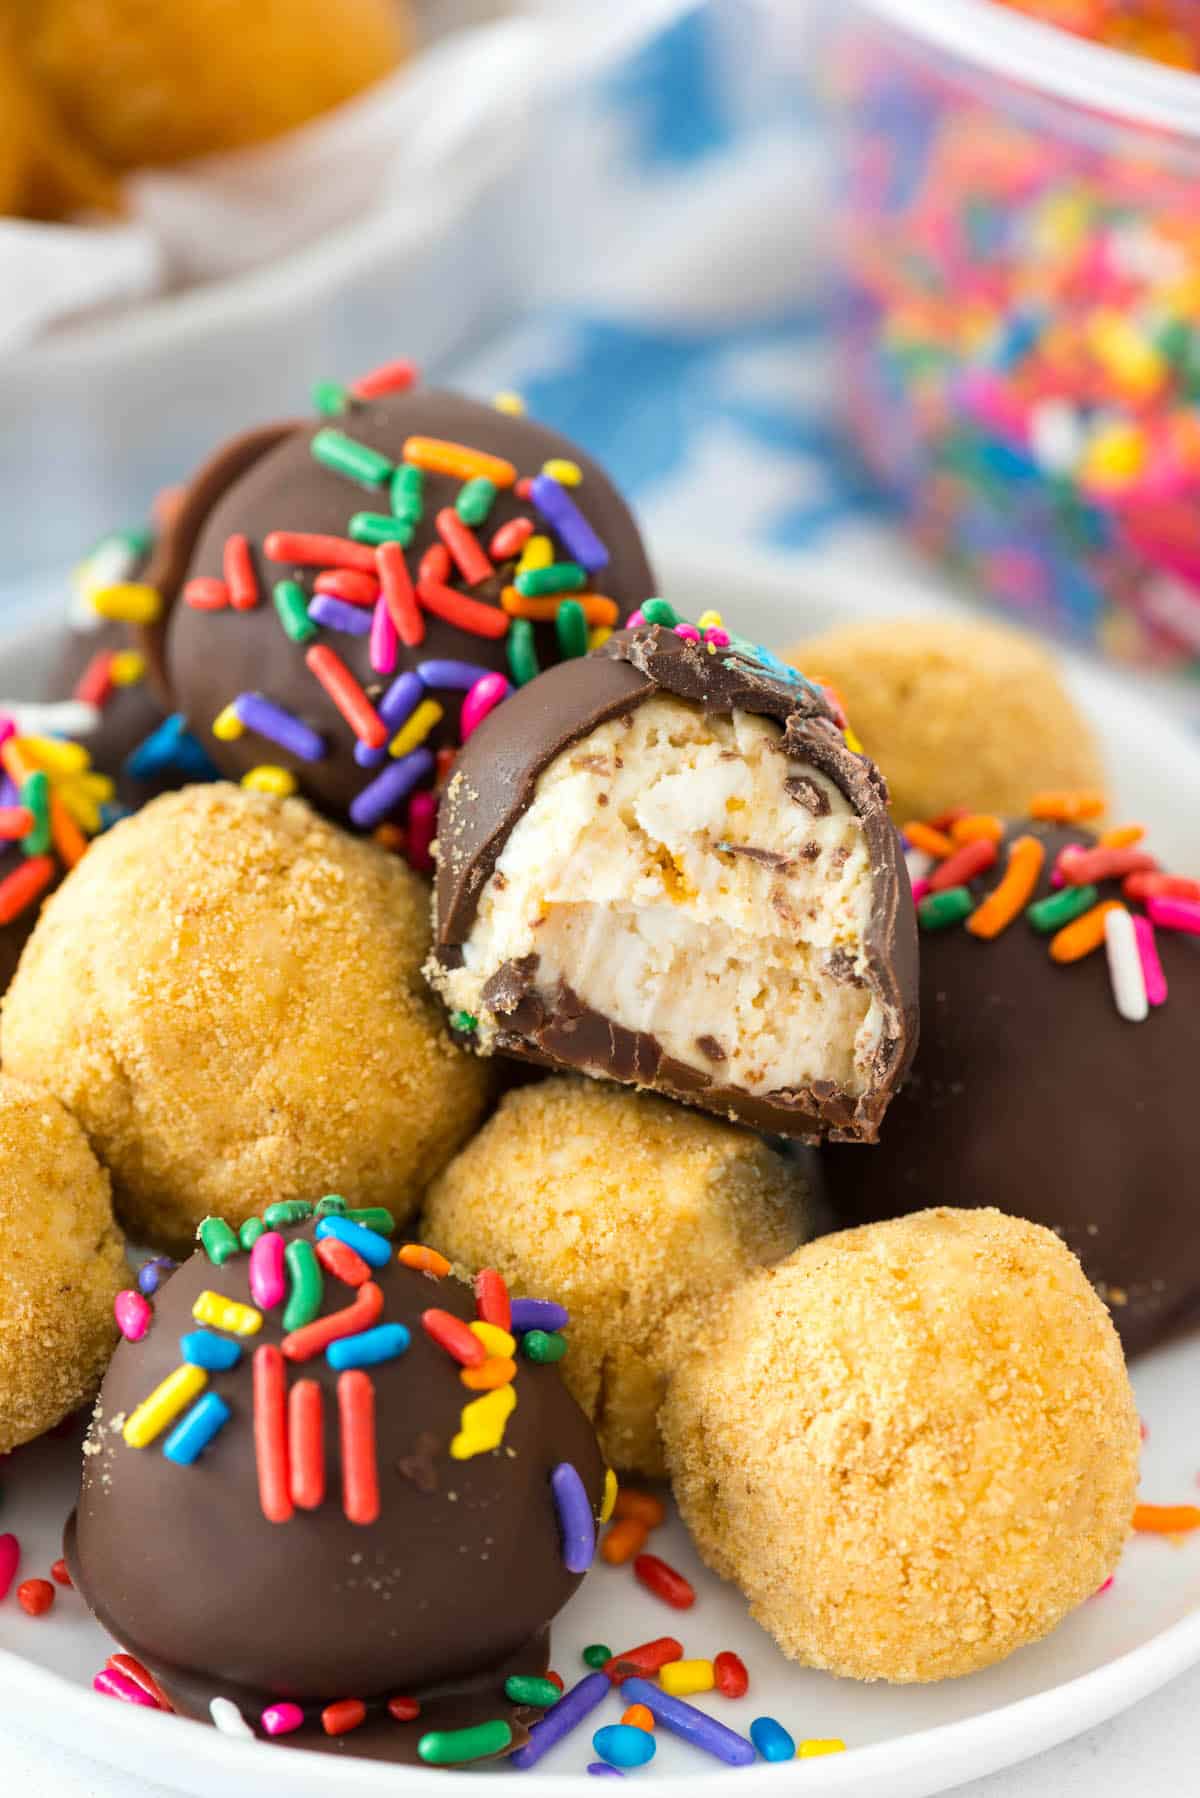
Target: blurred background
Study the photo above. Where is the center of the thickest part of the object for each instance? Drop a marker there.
(838, 289)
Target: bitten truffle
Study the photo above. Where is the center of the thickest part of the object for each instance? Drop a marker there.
(263, 1031)
(62, 1263)
(632, 1212)
(913, 1446)
(377, 1521)
(662, 864)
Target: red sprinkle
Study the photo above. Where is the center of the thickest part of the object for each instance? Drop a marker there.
(491, 1299)
(464, 546)
(554, 1678)
(347, 695)
(389, 377)
(434, 564)
(35, 1596)
(404, 1710)
(340, 1718)
(95, 684)
(360, 1473)
(965, 864)
(306, 1445)
(729, 1674)
(644, 1661)
(60, 1575)
(239, 573)
(511, 539)
(314, 1338)
(1160, 886)
(205, 593)
(457, 609)
(452, 1334)
(398, 594)
(343, 1262)
(348, 584)
(19, 889)
(664, 1582)
(314, 549)
(1081, 867)
(524, 488)
(141, 1676)
(271, 1434)
(15, 821)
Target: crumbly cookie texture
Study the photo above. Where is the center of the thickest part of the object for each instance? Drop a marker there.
(62, 1262)
(226, 993)
(635, 1214)
(914, 1446)
(956, 711)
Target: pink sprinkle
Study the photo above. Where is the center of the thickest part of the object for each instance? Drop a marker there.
(1147, 948)
(481, 699)
(688, 632)
(1104, 1588)
(10, 1560)
(635, 620)
(718, 637)
(267, 1285)
(1143, 1429)
(8, 728)
(133, 1314)
(422, 826)
(111, 1684)
(1175, 914)
(920, 889)
(384, 640)
(281, 1719)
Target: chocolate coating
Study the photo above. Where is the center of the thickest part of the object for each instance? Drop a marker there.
(268, 480)
(447, 1593)
(494, 784)
(1030, 1093)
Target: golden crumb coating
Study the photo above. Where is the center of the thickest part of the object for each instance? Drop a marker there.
(62, 1263)
(227, 993)
(633, 1213)
(914, 1446)
(956, 711)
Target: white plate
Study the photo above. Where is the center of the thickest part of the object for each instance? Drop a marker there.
(903, 1742)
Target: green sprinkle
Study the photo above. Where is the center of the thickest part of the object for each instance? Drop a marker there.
(1061, 907)
(377, 527)
(657, 611)
(557, 577)
(250, 1232)
(451, 1747)
(287, 1211)
(329, 398)
(217, 1240)
(940, 910)
(525, 1689)
(35, 793)
(596, 1653)
(305, 1284)
(374, 1217)
(331, 1206)
(334, 450)
(291, 603)
(137, 541)
(522, 652)
(408, 492)
(465, 1022)
(544, 1345)
(570, 623)
(475, 500)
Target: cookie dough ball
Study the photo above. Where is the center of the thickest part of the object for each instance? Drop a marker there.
(955, 711)
(62, 1264)
(263, 1033)
(633, 1214)
(913, 1446)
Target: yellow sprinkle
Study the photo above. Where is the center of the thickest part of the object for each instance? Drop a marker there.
(537, 553)
(481, 1427)
(567, 474)
(599, 635)
(129, 602)
(127, 667)
(682, 1678)
(417, 728)
(709, 621)
(101, 787)
(1114, 456)
(164, 1404)
(509, 402)
(611, 1488)
(270, 779)
(227, 727)
(55, 754)
(226, 1314)
(79, 805)
(815, 1745)
(854, 741)
(1131, 359)
(495, 1340)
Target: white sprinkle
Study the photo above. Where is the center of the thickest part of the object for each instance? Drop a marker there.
(919, 864)
(61, 718)
(1055, 436)
(1125, 966)
(228, 1719)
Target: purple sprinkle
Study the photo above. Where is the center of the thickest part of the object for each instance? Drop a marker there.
(537, 1314)
(336, 615)
(562, 1718)
(451, 674)
(271, 721)
(385, 792)
(10, 793)
(401, 699)
(686, 1721)
(563, 515)
(366, 757)
(151, 1276)
(602, 1770)
(575, 1520)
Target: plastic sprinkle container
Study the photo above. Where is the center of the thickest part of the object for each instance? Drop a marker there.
(1019, 242)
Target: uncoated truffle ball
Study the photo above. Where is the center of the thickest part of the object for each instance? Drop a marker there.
(61, 1265)
(633, 1214)
(226, 992)
(956, 711)
(914, 1446)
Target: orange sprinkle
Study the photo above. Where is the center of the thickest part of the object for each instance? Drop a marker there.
(391, 837)
(1123, 837)
(1080, 937)
(596, 608)
(458, 460)
(933, 842)
(425, 1260)
(626, 1538)
(638, 1717)
(1166, 1520)
(643, 1505)
(497, 1370)
(1067, 808)
(16, 764)
(69, 840)
(976, 827)
(1004, 902)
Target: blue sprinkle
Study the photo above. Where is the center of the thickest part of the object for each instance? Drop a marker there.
(537, 1314)
(386, 1342)
(188, 1440)
(170, 747)
(622, 1745)
(375, 1249)
(200, 1348)
(601, 1767)
(772, 1740)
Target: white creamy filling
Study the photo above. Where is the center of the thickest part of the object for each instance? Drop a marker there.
(631, 878)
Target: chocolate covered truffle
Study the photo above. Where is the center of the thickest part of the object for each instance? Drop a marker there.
(664, 865)
(329, 1488)
(1056, 1067)
(347, 599)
